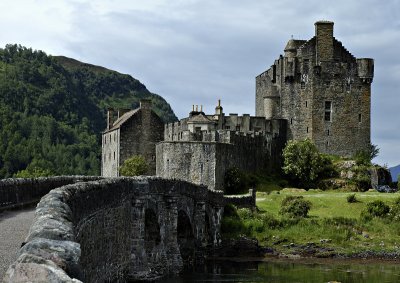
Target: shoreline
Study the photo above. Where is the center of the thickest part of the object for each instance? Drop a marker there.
(248, 249)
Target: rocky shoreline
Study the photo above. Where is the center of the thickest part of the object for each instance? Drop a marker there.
(247, 248)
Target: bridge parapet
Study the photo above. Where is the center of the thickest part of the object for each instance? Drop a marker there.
(117, 229)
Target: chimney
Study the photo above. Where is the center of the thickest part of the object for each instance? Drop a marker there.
(145, 104)
(324, 41)
(122, 112)
(110, 118)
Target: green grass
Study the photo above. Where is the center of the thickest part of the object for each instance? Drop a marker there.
(331, 217)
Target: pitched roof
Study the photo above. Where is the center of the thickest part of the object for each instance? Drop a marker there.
(121, 120)
(200, 118)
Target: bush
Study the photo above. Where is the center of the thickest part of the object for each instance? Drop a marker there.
(134, 166)
(395, 210)
(376, 208)
(304, 164)
(352, 198)
(238, 182)
(295, 207)
(398, 182)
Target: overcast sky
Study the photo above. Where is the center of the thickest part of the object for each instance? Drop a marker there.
(196, 52)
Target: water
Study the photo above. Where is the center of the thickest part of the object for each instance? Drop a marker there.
(293, 272)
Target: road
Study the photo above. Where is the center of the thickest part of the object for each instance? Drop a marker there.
(14, 227)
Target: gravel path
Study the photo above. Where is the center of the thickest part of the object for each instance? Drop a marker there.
(14, 227)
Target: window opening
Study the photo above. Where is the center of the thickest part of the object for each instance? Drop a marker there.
(328, 111)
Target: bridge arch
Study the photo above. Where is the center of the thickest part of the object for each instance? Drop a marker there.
(152, 236)
(185, 236)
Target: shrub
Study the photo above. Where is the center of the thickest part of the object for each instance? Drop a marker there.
(134, 166)
(295, 207)
(398, 182)
(362, 178)
(304, 164)
(395, 210)
(352, 198)
(238, 182)
(376, 208)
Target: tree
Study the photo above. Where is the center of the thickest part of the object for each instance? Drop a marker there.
(364, 157)
(304, 164)
(134, 166)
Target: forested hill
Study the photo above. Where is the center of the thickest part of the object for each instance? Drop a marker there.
(53, 109)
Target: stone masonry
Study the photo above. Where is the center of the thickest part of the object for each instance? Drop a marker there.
(119, 229)
(323, 92)
(131, 132)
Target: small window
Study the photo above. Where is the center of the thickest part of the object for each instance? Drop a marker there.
(303, 85)
(328, 111)
(110, 137)
(114, 137)
(359, 118)
(328, 133)
(114, 155)
(306, 104)
(307, 129)
(227, 127)
(105, 140)
(291, 121)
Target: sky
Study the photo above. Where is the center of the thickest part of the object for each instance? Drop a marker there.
(196, 52)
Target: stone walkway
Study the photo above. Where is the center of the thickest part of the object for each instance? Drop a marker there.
(14, 227)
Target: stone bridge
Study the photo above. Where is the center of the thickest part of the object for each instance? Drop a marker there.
(119, 229)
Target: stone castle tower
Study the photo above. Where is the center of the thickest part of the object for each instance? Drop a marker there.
(322, 90)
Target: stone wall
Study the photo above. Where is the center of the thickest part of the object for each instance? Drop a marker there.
(113, 230)
(139, 136)
(17, 192)
(206, 162)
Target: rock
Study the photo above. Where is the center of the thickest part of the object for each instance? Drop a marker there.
(365, 235)
(31, 268)
(322, 241)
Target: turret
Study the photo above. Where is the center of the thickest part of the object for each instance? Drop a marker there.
(365, 69)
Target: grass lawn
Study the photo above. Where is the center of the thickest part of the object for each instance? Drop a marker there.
(331, 220)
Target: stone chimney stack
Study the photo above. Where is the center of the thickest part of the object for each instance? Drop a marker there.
(145, 104)
(110, 118)
(324, 41)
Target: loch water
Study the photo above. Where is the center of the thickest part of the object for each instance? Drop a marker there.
(292, 272)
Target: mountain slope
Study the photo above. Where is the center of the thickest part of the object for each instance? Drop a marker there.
(53, 109)
(395, 171)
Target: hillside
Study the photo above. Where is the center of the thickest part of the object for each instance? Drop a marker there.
(395, 171)
(53, 109)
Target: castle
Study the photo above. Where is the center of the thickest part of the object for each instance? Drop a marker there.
(316, 90)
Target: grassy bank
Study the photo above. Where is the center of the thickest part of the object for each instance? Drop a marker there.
(333, 224)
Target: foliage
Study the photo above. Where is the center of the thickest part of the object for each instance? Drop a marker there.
(351, 198)
(398, 182)
(364, 157)
(362, 178)
(394, 213)
(238, 182)
(304, 164)
(376, 208)
(33, 172)
(295, 206)
(134, 166)
(52, 111)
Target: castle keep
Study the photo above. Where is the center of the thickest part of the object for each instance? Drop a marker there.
(323, 92)
(316, 90)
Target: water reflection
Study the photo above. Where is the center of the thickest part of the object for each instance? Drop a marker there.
(292, 272)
